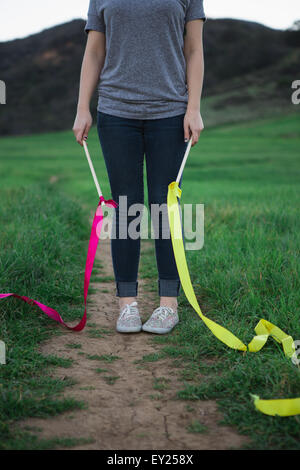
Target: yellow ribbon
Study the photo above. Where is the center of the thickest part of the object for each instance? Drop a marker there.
(264, 329)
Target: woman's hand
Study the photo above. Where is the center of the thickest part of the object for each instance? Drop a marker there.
(83, 123)
(193, 125)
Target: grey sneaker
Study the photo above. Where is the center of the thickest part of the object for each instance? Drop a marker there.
(162, 321)
(129, 320)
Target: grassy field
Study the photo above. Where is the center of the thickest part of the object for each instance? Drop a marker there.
(247, 176)
(43, 245)
(53, 158)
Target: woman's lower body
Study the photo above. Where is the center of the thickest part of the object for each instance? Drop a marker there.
(125, 144)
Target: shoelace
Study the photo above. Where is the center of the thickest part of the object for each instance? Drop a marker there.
(162, 312)
(129, 310)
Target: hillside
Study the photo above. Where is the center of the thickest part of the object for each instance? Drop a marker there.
(246, 66)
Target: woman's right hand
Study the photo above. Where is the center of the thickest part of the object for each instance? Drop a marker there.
(82, 124)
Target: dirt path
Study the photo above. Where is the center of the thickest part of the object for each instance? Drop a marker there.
(130, 405)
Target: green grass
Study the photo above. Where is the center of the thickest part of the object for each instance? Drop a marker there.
(197, 427)
(153, 357)
(247, 176)
(99, 332)
(29, 441)
(156, 396)
(74, 346)
(43, 239)
(161, 383)
(111, 379)
(53, 157)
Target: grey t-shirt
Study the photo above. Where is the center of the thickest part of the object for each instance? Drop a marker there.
(144, 73)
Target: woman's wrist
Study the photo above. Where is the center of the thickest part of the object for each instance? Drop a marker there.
(83, 108)
(193, 108)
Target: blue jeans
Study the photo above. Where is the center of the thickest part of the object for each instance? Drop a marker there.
(124, 144)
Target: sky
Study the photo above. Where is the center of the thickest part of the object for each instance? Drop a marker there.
(20, 18)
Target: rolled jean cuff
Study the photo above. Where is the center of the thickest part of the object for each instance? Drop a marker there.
(126, 288)
(168, 287)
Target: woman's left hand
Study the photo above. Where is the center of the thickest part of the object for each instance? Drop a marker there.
(193, 126)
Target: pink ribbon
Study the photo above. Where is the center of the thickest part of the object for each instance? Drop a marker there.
(92, 249)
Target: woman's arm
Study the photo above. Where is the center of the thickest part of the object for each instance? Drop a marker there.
(193, 51)
(92, 64)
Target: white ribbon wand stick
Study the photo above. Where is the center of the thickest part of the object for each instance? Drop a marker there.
(184, 160)
(92, 170)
